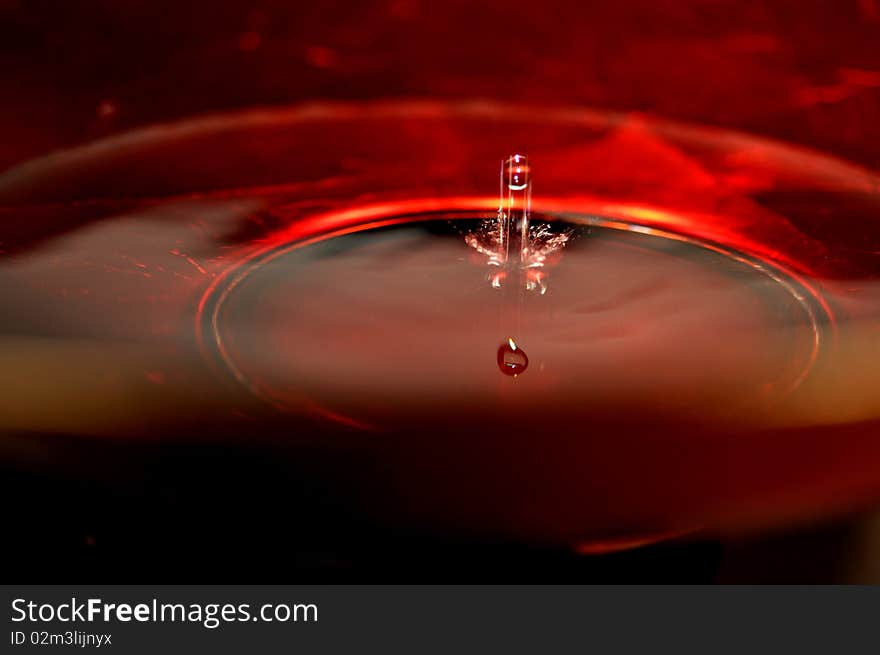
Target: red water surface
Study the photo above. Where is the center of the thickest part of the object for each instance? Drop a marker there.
(687, 103)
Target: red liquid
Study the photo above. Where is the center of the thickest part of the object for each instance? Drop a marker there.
(765, 415)
(512, 359)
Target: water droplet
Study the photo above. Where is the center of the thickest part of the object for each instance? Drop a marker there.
(496, 279)
(512, 360)
(518, 173)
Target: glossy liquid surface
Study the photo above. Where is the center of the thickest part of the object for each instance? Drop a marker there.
(703, 356)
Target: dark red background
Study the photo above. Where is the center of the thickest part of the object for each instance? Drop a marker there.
(807, 72)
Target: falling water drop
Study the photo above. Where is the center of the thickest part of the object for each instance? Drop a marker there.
(512, 360)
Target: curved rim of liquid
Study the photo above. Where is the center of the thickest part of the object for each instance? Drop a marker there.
(825, 167)
(320, 228)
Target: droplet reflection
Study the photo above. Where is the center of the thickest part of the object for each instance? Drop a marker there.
(512, 360)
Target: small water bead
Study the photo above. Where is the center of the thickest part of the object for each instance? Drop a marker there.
(512, 360)
(517, 174)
